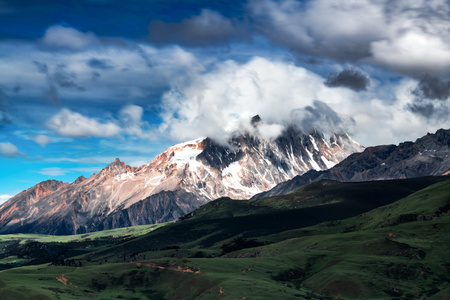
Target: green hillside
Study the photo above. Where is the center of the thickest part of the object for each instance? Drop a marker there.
(294, 247)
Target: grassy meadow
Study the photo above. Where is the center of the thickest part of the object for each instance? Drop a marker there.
(327, 240)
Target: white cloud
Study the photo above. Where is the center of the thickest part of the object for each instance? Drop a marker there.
(9, 150)
(58, 171)
(413, 52)
(42, 140)
(132, 114)
(332, 28)
(409, 36)
(53, 171)
(131, 121)
(391, 122)
(86, 169)
(138, 163)
(72, 124)
(61, 37)
(84, 160)
(270, 131)
(4, 198)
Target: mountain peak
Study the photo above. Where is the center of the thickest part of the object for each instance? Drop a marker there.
(116, 164)
(50, 184)
(255, 120)
(116, 167)
(79, 179)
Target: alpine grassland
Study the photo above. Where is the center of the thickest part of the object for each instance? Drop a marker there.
(326, 240)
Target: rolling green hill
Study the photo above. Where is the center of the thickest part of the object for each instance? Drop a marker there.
(327, 240)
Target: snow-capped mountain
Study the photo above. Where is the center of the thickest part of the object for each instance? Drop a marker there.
(248, 165)
(174, 183)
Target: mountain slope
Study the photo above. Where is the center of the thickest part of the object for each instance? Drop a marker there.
(318, 202)
(174, 183)
(429, 155)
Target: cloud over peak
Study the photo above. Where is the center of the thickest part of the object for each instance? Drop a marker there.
(217, 103)
(320, 116)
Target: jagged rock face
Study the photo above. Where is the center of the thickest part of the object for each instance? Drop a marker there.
(176, 182)
(429, 155)
(250, 164)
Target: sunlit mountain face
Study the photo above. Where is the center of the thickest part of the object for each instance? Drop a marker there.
(173, 184)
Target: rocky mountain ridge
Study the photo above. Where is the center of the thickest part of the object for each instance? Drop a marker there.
(428, 155)
(174, 183)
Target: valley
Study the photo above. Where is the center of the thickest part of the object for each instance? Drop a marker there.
(392, 245)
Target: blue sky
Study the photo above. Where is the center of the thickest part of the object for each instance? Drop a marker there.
(84, 82)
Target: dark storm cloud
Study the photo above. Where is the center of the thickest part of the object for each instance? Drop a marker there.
(65, 79)
(349, 78)
(321, 117)
(5, 117)
(100, 64)
(41, 67)
(144, 56)
(424, 109)
(432, 88)
(430, 97)
(209, 27)
(96, 76)
(51, 93)
(59, 78)
(430, 110)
